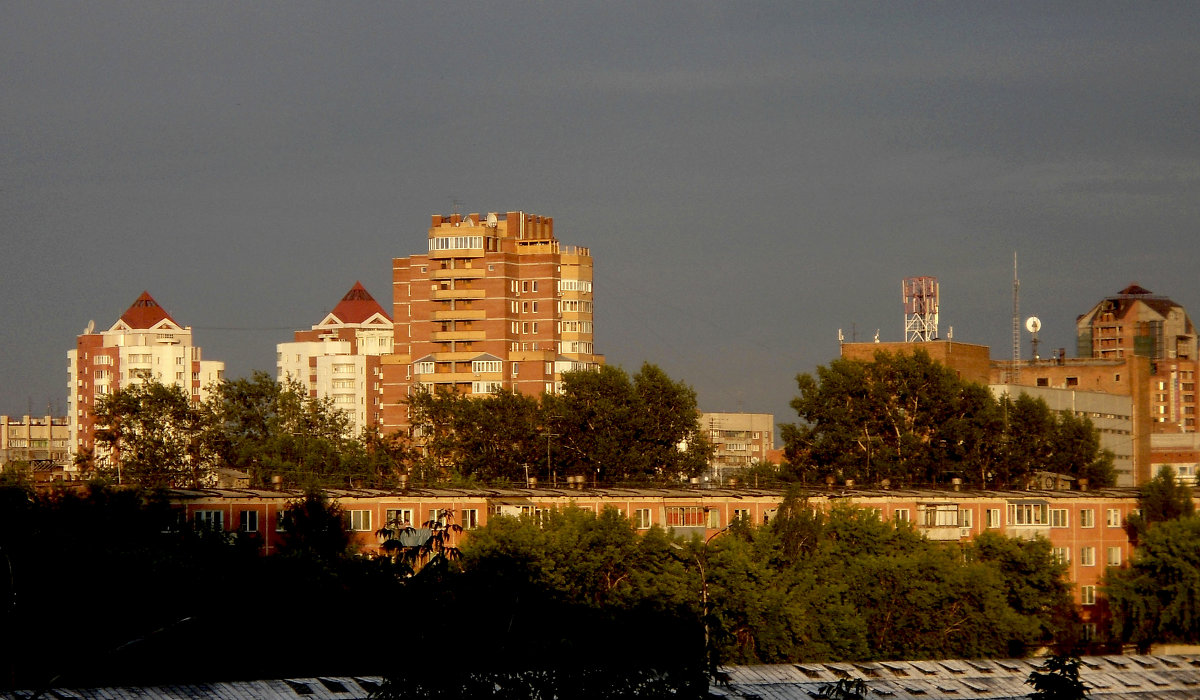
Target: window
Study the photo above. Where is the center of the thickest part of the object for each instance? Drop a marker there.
(1087, 517)
(1087, 556)
(516, 366)
(1087, 595)
(1114, 556)
(641, 519)
(399, 518)
(685, 516)
(1089, 631)
(938, 515)
(210, 519)
(281, 521)
(993, 517)
(712, 518)
(1114, 517)
(437, 515)
(358, 520)
(742, 514)
(1072, 381)
(1027, 513)
(900, 515)
(535, 288)
(1058, 517)
(965, 518)
(1061, 555)
(480, 366)
(470, 518)
(248, 521)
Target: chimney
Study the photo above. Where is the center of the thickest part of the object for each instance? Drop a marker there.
(956, 484)
(277, 482)
(533, 482)
(403, 481)
(1083, 483)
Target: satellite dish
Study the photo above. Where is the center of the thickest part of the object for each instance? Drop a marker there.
(491, 219)
(91, 326)
(1033, 324)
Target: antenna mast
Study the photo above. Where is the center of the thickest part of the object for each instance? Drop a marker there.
(1014, 373)
(920, 297)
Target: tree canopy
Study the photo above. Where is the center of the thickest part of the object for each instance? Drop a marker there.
(604, 426)
(909, 419)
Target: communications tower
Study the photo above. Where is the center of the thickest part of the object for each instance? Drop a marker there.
(920, 309)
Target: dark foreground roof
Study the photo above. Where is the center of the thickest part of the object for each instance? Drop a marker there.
(1108, 678)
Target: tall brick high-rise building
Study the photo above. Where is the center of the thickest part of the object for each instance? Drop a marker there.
(1136, 322)
(496, 304)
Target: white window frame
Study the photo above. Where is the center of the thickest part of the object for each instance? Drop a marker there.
(1059, 517)
(1112, 556)
(1087, 517)
(1087, 556)
(209, 519)
(643, 519)
(358, 520)
(900, 515)
(470, 518)
(1112, 517)
(248, 521)
(993, 518)
(1061, 555)
(966, 517)
(712, 518)
(1087, 595)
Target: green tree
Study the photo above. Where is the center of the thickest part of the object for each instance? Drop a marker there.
(1057, 679)
(1164, 498)
(615, 428)
(268, 428)
(1157, 598)
(910, 419)
(154, 436)
(314, 528)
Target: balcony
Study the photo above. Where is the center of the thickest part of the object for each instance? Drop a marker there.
(460, 315)
(458, 335)
(458, 273)
(441, 294)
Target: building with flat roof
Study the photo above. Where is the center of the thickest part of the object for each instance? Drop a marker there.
(738, 440)
(496, 304)
(971, 363)
(339, 358)
(145, 344)
(30, 438)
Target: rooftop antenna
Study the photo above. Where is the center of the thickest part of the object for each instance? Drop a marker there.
(1014, 372)
(920, 297)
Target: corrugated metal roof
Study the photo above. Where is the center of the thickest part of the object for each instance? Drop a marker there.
(1110, 678)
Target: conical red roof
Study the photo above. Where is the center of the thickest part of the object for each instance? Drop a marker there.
(145, 313)
(357, 306)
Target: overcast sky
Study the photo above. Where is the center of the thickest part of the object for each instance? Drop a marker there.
(750, 177)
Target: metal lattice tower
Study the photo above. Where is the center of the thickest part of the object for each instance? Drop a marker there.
(920, 308)
(1014, 372)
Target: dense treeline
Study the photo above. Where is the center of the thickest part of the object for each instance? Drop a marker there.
(570, 597)
(605, 426)
(911, 420)
(1157, 597)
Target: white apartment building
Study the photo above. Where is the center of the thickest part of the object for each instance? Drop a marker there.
(338, 358)
(144, 344)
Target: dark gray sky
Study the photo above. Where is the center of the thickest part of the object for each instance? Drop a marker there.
(750, 177)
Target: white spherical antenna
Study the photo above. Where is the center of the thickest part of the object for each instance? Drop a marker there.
(1033, 324)
(491, 219)
(91, 326)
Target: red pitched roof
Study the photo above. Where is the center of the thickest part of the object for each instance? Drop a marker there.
(145, 313)
(357, 306)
